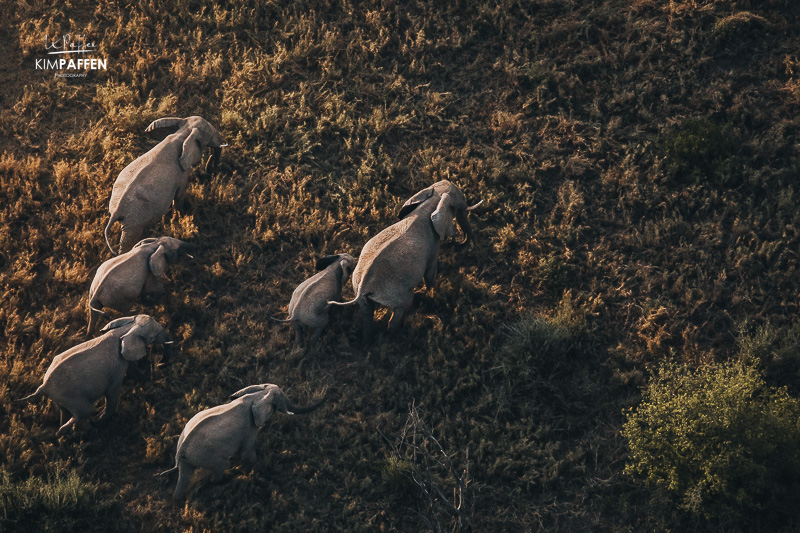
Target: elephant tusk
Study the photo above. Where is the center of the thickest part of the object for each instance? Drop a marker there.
(474, 206)
(289, 413)
(190, 256)
(223, 145)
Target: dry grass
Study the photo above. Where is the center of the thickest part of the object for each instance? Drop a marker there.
(576, 122)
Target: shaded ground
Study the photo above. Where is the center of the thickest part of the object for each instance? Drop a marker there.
(637, 163)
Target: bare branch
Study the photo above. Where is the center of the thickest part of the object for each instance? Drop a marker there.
(432, 468)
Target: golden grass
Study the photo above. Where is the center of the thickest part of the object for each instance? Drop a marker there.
(556, 113)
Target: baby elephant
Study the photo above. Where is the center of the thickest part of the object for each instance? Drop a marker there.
(214, 435)
(81, 375)
(124, 279)
(309, 306)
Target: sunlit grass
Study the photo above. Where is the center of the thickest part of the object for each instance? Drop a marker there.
(637, 162)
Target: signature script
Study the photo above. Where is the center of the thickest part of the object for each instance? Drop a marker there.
(68, 44)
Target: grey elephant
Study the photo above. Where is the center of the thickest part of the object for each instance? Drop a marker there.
(309, 308)
(212, 436)
(394, 261)
(81, 375)
(126, 278)
(145, 188)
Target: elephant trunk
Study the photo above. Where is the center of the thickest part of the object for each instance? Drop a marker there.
(303, 410)
(169, 352)
(187, 249)
(213, 161)
(463, 223)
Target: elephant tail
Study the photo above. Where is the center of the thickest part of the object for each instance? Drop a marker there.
(39, 392)
(351, 302)
(280, 320)
(165, 472)
(108, 226)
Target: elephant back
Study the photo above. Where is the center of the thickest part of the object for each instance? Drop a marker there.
(122, 184)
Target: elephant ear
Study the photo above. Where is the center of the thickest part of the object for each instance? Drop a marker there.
(248, 390)
(347, 264)
(413, 202)
(132, 344)
(262, 409)
(325, 262)
(165, 126)
(442, 219)
(192, 151)
(144, 242)
(118, 323)
(158, 261)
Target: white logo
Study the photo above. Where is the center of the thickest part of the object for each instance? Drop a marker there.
(75, 67)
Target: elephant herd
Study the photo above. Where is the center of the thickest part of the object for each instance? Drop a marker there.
(390, 266)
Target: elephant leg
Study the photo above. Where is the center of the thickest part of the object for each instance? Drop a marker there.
(80, 410)
(130, 236)
(248, 449)
(430, 273)
(398, 312)
(112, 398)
(367, 309)
(218, 469)
(134, 373)
(153, 287)
(185, 471)
(65, 428)
(64, 416)
(299, 334)
(179, 202)
(315, 336)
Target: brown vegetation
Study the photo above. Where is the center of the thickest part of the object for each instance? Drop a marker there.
(637, 159)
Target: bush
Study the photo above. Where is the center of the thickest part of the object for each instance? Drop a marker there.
(543, 367)
(718, 439)
(777, 349)
(700, 146)
(63, 501)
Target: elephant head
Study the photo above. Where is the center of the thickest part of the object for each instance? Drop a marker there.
(166, 250)
(346, 262)
(197, 134)
(136, 333)
(268, 397)
(456, 206)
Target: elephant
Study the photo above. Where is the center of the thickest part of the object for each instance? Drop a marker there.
(81, 375)
(123, 279)
(212, 436)
(308, 309)
(394, 261)
(144, 189)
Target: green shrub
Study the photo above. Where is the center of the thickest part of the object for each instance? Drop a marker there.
(397, 472)
(718, 439)
(545, 368)
(62, 501)
(776, 349)
(699, 146)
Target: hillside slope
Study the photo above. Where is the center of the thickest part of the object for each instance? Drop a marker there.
(637, 162)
